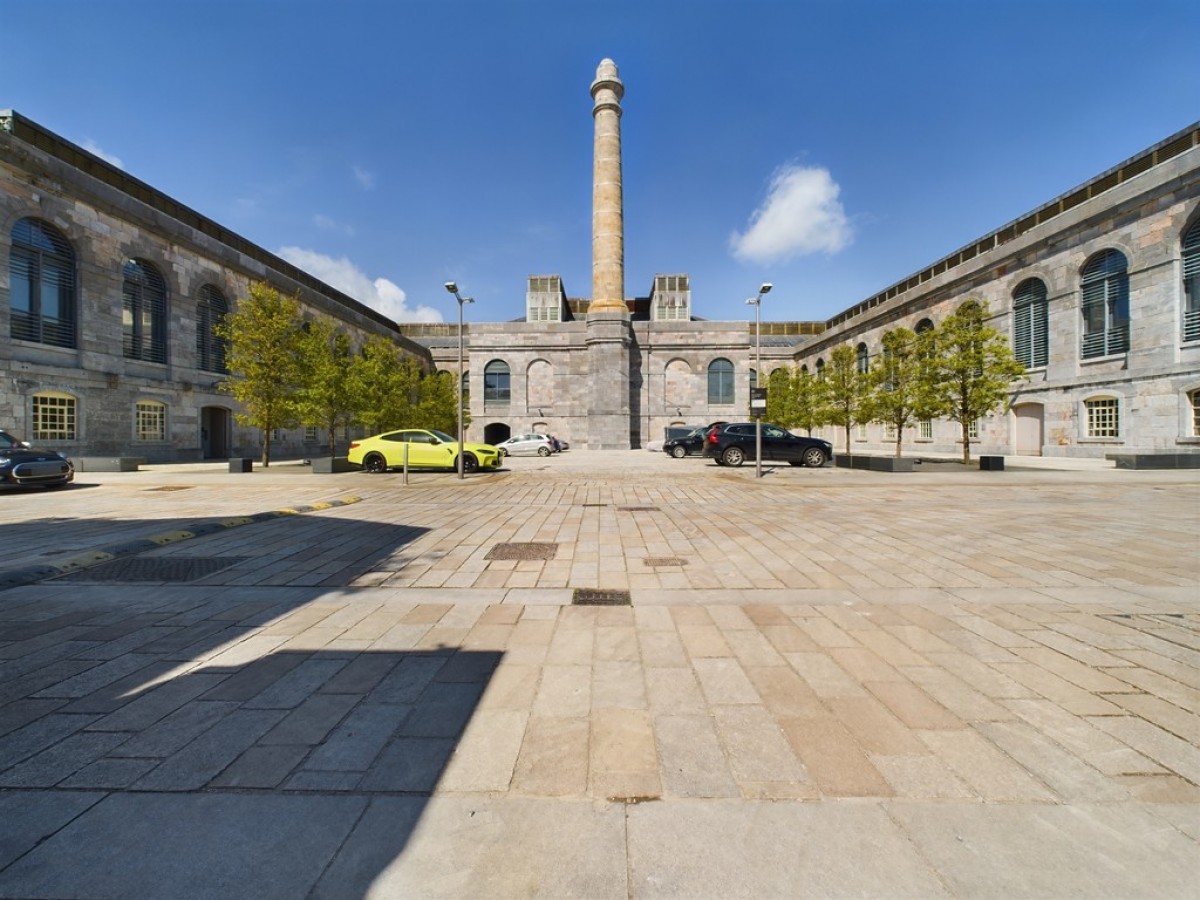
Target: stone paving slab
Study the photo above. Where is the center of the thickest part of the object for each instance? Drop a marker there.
(948, 707)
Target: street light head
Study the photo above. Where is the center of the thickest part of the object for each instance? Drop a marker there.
(766, 288)
(452, 287)
(752, 301)
(466, 299)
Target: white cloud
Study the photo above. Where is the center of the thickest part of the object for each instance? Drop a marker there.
(801, 215)
(380, 294)
(91, 147)
(365, 179)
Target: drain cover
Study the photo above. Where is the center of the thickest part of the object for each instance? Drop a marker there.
(176, 568)
(595, 504)
(522, 551)
(171, 487)
(665, 561)
(590, 597)
(637, 509)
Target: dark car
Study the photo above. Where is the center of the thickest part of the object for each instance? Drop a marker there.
(733, 444)
(21, 464)
(691, 443)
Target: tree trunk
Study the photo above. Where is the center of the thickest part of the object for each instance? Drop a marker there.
(266, 449)
(848, 451)
(899, 440)
(966, 442)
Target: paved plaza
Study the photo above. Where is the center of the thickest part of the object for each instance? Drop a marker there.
(826, 683)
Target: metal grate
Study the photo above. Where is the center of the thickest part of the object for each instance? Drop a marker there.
(656, 561)
(522, 551)
(171, 487)
(590, 597)
(637, 509)
(175, 568)
(595, 504)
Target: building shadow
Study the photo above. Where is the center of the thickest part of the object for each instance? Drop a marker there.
(262, 771)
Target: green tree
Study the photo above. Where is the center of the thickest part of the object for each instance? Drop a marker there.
(327, 397)
(780, 399)
(901, 387)
(809, 404)
(845, 391)
(264, 350)
(437, 403)
(384, 381)
(974, 368)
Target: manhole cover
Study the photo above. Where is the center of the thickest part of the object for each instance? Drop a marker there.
(522, 551)
(135, 568)
(590, 597)
(637, 509)
(171, 487)
(665, 561)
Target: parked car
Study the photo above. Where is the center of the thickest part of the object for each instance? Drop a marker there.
(733, 444)
(427, 448)
(22, 464)
(690, 444)
(526, 445)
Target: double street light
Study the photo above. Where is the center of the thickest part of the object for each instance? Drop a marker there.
(756, 302)
(452, 287)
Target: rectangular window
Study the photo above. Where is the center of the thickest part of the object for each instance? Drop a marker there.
(1103, 418)
(1195, 398)
(973, 430)
(310, 435)
(151, 422)
(889, 431)
(925, 430)
(53, 418)
(860, 433)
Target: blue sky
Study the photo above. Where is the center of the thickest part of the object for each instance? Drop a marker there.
(831, 148)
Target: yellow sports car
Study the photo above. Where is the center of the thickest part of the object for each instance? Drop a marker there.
(426, 449)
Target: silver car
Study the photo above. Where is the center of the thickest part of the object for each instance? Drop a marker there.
(526, 445)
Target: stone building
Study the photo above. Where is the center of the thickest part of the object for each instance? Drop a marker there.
(109, 294)
(109, 290)
(1098, 289)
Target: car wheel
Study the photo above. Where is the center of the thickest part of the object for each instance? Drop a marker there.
(734, 456)
(814, 457)
(470, 463)
(543, 451)
(679, 452)
(375, 464)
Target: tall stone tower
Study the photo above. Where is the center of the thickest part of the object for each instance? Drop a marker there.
(609, 333)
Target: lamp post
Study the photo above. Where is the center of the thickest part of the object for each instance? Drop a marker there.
(452, 287)
(756, 302)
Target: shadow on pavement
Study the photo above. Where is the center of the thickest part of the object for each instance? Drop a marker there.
(262, 771)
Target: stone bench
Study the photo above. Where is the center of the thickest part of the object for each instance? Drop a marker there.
(107, 463)
(1155, 460)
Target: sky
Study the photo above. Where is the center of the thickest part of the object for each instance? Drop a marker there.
(830, 147)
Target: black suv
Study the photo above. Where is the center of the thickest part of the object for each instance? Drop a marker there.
(733, 444)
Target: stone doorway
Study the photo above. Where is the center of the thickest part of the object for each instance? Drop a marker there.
(214, 432)
(1030, 428)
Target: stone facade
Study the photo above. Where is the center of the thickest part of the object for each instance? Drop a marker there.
(107, 217)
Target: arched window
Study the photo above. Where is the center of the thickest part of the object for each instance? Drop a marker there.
(1105, 288)
(144, 313)
(151, 421)
(1191, 283)
(720, 383)
(1030, 323)
(465, 383)
(754, 378)
(820, 368)
(1194, 404)
(41, 279)
(497, 383)
(211, 310)
(54, 417)
(924, 326)
(804, 368)
(863, 358)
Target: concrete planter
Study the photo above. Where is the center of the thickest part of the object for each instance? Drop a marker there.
(1155, 460)
(327, 465)
(107, 463)
(875, 463)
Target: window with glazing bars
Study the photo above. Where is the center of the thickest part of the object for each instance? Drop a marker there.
(151, 421)
(1191, 283)
(144, 312)
(720, 382)
(1030, 323)
(925, 429)
(41, 280)
(863, 358)
(211, 310)
(1103, 417)
(1105, 288)
(54, 417)
(497, 383)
